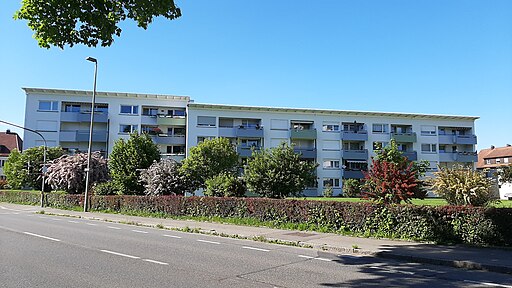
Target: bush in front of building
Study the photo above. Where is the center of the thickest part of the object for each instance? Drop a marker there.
(225, 185)
(352, 188)
(164, 178)
(446, 224)
(463, 186)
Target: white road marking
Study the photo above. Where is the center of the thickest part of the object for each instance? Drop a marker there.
(41, 236)
(5, 208)
(206, 241)
(254, 248)
(120, 254)
(56, 219)
(488, 284)
(391, 270)
(112, 227)
(172, 236)
(156, 262)
(91, 224)
(138, 231)
(307, 257)
(323, 259)
(72, 221)
(42, 217)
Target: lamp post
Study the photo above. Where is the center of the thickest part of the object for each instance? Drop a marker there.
(45, 146)
(88, 169)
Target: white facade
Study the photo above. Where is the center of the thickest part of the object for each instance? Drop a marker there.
(342, 142)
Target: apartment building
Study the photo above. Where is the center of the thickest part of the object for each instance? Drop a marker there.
(342, 142)
(63, 117)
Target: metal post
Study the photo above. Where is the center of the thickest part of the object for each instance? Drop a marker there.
(88, 169)
(44, 154)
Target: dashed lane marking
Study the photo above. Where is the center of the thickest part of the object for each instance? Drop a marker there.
(172, 236)
(156, 262)
(41, 236)
(112, 227)
(138, 231)
(206, 241)
(120, 254)
(256, 249)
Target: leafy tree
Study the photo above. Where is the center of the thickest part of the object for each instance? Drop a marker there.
(68, 172)
(128, 158)
(463, 186)
(225, 185)
(25, 169)
(504, 174)
(164, 178)
(209, 159)
(89, 22)
(328, 192)
(352, 188)
(390, 183)
(105, 188)
(279, 172)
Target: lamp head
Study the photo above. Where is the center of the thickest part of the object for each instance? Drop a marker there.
(91, 59)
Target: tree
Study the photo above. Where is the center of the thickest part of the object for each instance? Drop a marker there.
(225, 185)
(25, 169)
(504, 174)
(89, 22)
(279, 172)
(463, 186)
(164, 178)
(68, 172)
(209, 159)
(352, 188)
(128, 158)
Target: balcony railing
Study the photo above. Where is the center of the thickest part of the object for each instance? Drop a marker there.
(309, 134)
(355, 154)
(82, 136)
(170, 120)
(409, 137)
(458, 157)
(353, 174)
(411, 155)
(99, 117)
(163, 139)
(246, 151)
(458, 139)
(360, 135)
(306, 153)
(251, 131)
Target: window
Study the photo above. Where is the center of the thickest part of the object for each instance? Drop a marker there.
(505, 160)
(428, 130)
(498, 160)
(125, 128)
(178, 131)
(488, 161)
(202, 138)
(379, 145)
(226, 122)
(48, 105)
(331, 164)
(428, 148)
(279, 124)
(178, 150)
(355, 165)
(151, 130)
(331, 127)
(149, 111)
(2, 163)
(380, 128)
(128, 109)
(72, 108)
(206, 121)
(250, 143)
(333, 182)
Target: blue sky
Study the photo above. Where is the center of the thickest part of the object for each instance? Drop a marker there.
(435, 56)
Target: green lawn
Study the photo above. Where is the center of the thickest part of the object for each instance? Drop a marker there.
(427, 201)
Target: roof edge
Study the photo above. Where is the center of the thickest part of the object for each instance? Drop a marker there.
(52, 91)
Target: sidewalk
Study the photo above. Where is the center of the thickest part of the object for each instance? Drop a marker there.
(495, 260)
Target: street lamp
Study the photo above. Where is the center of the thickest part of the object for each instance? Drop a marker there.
(88, 169)
(45, 147)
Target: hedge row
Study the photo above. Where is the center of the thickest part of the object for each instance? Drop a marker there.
(447, 224)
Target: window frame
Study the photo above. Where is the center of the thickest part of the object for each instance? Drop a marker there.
(134, 109)
(133, 128)
(432, 148)
(54, 106)
(385, 128)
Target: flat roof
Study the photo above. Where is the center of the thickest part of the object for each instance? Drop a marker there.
(330, 112)
(51, 91)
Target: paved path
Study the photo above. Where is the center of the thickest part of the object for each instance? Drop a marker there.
(490, 259)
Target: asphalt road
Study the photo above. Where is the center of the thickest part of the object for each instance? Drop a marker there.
(51, 251)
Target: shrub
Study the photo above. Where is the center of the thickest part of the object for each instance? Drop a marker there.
(352, 188)
(3, 184)
(225, 185)
(463, 186)
(105, 188)
(164, 178)
(328, 192)
(68, 172)
(278, 172)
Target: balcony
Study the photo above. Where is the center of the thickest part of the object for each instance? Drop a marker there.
(458, 157)
(99, 117)
(246, 151)
(309, 134)
(353, 174)
(458, 139)
(83, 136)
(148, 120)
(355, 154)
(411, 155)
(227, 132)
(169, 140)
(249, 131)
(171, 121)
(409, 137)
(306, 153)
(361, 135)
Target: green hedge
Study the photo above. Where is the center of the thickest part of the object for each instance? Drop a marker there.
(445, 224)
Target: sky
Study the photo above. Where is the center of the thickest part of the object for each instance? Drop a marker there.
(425, 56)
